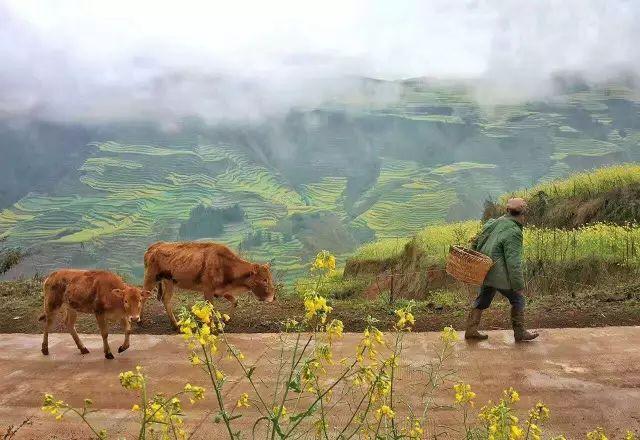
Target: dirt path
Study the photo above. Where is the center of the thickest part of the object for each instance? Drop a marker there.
(588, 377)
(21, 304)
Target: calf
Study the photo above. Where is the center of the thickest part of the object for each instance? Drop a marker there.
(91, 291)
(210, 268)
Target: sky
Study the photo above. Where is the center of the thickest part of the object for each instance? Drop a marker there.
(97, 61)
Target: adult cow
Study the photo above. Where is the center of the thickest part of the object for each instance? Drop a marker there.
(99, 292)
(210, 268)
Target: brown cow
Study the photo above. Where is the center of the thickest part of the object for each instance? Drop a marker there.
(210, 268)
(91, 291)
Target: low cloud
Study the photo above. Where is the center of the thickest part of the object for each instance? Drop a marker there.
(104, 61)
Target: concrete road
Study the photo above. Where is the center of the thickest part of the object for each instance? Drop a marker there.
(588, 377)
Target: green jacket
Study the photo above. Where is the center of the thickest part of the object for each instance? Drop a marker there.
(501, 239)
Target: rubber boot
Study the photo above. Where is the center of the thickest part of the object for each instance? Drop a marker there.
(473, 321)
(519, 332)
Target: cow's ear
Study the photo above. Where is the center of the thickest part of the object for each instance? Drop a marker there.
(145, 294)
(118, 292)
(266, 266)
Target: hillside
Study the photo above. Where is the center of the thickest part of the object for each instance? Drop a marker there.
(332, 177)
(580, 252)
(607, 195)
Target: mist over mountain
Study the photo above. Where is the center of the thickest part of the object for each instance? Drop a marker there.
(316, 126)
(103, 62)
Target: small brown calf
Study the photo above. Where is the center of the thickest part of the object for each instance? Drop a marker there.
(91, 291)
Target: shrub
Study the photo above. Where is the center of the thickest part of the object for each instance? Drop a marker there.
(10, 258)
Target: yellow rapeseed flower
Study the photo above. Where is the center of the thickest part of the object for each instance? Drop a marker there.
(540, 412)
(516, 433)
(131, 380)
(196, 392)
(597, 434)
(324, 261)
(195, 359)
(511, 395)
(316, 305)
(385, 411)
(378, 336)
(280, 411)
(203, 310)
(405, 319)
(535, 433)
(243, 401)
(335, 329)
(449, 336)
(416, 431)
(135, 407)
(463, 394)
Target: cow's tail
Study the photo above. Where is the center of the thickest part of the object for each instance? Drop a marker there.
(160, 291)
(43, 316)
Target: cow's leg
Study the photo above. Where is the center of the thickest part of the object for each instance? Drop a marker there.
(126, 324)
(104, 331)
(49, 319)
(232, 299)
(149, 279)
(70, 320)
(225, 292)
(167, 294)
(148, 284)
(209, 296)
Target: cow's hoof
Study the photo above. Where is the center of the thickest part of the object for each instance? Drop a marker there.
(121, 349)
(84, 350)
(108, 356)
(45, 351)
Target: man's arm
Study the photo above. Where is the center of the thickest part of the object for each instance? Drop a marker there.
(512, 247)
(480, 238)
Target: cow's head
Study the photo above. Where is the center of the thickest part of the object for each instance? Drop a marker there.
(133, 299)
(262, 282)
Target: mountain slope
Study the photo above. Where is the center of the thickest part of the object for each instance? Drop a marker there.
(332, 177)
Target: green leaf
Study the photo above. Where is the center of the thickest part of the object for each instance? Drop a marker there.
(276, 426)
(250, 372)
(294, 384)
(313, 408)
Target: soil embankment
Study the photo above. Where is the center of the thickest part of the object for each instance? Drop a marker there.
(21, 304)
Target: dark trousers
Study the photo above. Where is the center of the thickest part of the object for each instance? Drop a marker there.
(486, 294)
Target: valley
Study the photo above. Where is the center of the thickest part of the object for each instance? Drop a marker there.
(327, 178)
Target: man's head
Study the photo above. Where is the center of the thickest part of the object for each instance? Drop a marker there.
(516, 206)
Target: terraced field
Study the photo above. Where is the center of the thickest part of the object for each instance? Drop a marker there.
(403, 198)
(367, 170)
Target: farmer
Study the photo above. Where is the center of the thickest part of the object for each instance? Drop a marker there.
(501, 239)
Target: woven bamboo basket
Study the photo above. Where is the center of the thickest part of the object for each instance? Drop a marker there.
(468, 266)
